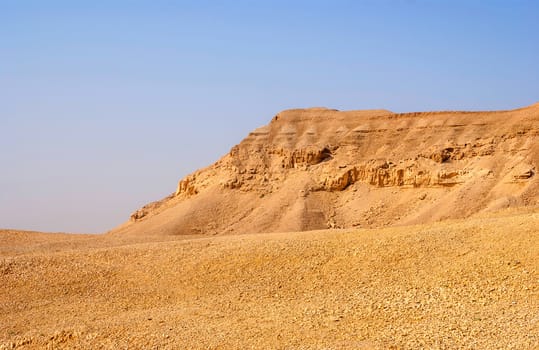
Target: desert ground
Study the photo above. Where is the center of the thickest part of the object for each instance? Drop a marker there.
(469, 284)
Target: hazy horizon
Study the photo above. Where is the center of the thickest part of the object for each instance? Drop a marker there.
(106, 106)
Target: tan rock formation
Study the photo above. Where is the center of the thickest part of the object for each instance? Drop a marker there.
(318, 168)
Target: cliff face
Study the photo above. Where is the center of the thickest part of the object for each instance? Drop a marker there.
(318, 168)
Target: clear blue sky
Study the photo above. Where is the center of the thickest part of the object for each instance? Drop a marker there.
(105, 105)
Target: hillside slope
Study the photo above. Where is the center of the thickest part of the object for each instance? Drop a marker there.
(319, 168)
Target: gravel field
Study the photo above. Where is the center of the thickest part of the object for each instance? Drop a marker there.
(468, 284)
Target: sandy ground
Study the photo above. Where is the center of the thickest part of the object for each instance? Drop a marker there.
(470, 284)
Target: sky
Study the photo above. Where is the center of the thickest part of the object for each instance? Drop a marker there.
(105, 105)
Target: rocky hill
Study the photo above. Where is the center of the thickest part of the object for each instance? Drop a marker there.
(320, 168)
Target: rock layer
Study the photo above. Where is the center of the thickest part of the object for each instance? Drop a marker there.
(318, 168)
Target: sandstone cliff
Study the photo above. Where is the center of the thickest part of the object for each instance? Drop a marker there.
(318, 168)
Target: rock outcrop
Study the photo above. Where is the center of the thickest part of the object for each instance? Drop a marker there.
(318, 168)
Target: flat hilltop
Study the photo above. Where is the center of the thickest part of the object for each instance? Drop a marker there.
(319, 168)
(467, 284)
